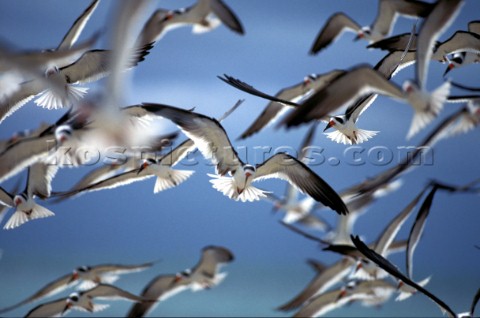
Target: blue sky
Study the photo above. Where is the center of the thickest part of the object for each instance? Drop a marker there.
(132, 225)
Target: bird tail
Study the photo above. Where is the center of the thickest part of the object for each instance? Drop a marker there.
(360, 136)
(227, 186)
(175, 177)
(19, 217)
(51, 100)
(422, 117)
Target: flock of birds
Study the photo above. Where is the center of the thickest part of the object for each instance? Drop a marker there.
(51, 79)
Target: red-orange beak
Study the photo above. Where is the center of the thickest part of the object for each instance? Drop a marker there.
(143, 166)
(360, 35)
(359, 266)
(450, 67)
(330, 124)
(74, 277)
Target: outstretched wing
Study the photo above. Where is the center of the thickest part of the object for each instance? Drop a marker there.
(335, 26)
(226, 15)
(286, 167)
(207, 134)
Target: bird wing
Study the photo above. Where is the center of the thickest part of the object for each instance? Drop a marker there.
(40, 179)
(96, 64)
(474, 27)
(53, 308)
(77, 27)
(22, 154)
(322, 281)
(345, 89)
(388, 235)
(286, 167)
(178, 153)
(6, 199)
(110, 292)
(207, 133)
(333, 28)
(118, 269)
(439, 19)
(417, 229)
(25, 92)
(393, 270)
(253, 91)
(50, 289)
(160, 288)
(226, 15)
(212, 257)
(396, 43)
(388, 10)
(460, 41)
(274, 109)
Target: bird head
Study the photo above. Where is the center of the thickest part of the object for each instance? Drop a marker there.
(20, 199)
(63, 133)
(145, 164)
(307, 80)
(249, 171)
(184, 274)
(72, 299)
(409, 87)
(335, 121)
(364, 33)
(455, 61)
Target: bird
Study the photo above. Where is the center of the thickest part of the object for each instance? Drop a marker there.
(394, 271)
(211, 139)
(365, 270)
(39, 180)
(160, 288)
(310, 84)
(387, 13)
(337, 298)
(204, 16)
(345, 128)
(83, 301)
(87, 276)
(151, 167)
(206, 273)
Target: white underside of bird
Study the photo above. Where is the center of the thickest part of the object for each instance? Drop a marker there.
(230, 187)
(25, 212)
(426, 106)
(51, 100)
(350, 134)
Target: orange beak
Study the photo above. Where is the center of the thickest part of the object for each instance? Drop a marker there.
(330, 124)
(450, 67)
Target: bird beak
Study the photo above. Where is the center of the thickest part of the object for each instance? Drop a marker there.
(67, 307)
(248, 174)
(400, 284)
(359, 36)
(143, 166)
(329, 125)
(342, 293)
(359, 265)
(449, 68)
(74, 277)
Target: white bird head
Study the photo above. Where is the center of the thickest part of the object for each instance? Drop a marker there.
(63, 133)
(307, 80)
(335, 121)
(20, 199)
(455, 61)
(364, 33)
(146, 163)
(249, 171)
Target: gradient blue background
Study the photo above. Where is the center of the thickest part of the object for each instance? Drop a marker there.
(131, 225)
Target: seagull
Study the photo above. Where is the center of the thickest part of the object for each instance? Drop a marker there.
(89, 276)
(211, 139)
(160, 288)
(388, 10)
(366, 270)
(206, 15)
(334, 299)
(394, 271)
(161, 168)
(205, 274)
(83, 301)
(294, 93)
(39, 180)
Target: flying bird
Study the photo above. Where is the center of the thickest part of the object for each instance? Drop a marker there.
(87, 276)
(387, 13)
(211, 139)
(83, 301)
